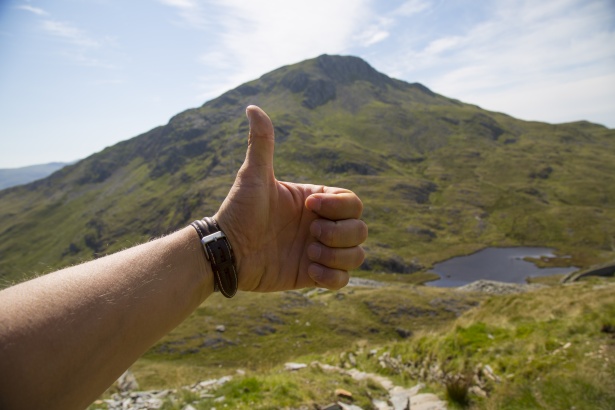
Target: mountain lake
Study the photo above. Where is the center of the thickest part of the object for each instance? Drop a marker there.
(498, 264)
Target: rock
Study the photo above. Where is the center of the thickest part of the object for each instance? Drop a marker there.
(264, 330)
(368, 283)
(334, 406)
(343, 393)
(403, 333)
(498, 288)
(345, 406)
(401, 397)
(359, 375)
(477, 391)
(294, 366)
(127, 382)
(188, 407)
(488, 371)
(426, 401)
(352, 359)
(220, 328)
(381, 405)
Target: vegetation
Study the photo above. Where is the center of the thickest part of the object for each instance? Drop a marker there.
(551, 348)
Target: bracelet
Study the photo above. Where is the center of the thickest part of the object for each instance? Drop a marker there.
(219, 253)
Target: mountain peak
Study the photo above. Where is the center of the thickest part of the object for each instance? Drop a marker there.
(321, 80)
(347, 69)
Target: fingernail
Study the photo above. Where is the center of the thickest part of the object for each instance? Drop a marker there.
(315, 229)
(315, 203)
(314, 251)
(315, 271)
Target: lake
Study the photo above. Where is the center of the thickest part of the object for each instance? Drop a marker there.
(500, 264)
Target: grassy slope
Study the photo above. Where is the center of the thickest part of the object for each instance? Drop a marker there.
(547, 347)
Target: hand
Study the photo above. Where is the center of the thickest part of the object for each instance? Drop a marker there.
(287, 235)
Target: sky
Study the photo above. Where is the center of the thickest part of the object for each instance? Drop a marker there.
(77, 76)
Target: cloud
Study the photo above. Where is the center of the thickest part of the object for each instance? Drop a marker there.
(180, 4)
(251, 38)
(31, 9)
(508, 46)
(190, 12)
(375, 33)
(412, 7)
(69, 33)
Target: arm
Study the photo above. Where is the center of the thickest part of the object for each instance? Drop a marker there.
(66, 336)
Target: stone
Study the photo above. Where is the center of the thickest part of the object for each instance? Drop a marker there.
(343, 393)
(427, 401)
(401, 397)
(403, 333)
(333, 406)
(220, 328)
(488, 371)
(345, 406)
(477, 391)
(381, 405)
(352, 359)
(127, 382)
(294, 366)
(359, 376)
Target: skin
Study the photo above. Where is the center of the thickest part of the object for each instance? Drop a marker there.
(67, 336)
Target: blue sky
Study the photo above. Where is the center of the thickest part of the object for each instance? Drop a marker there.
(79, 75)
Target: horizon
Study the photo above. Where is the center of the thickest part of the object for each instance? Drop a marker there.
(81, 77)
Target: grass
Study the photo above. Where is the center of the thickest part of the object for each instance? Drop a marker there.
(548, 349)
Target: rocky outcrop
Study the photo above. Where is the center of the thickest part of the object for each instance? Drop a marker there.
(498, 288)
(400, 398)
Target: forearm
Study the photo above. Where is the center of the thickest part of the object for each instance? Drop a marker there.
(64, 350)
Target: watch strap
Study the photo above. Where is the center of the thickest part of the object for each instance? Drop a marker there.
(219, 253)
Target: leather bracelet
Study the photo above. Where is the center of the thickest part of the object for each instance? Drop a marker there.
(219, 253)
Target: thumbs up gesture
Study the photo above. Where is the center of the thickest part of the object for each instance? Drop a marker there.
(286, 235)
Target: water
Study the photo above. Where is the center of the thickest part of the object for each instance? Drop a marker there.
(500, 264)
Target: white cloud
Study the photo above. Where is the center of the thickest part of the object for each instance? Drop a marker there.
(442, 44)
(253, 38)
(556, 102)
(69, 33)
(375, 33)
(542, 53)
(181, 4)
(412, 7)
(190, 12)
(31, 9)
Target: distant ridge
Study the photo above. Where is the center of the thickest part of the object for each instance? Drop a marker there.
(18, 176)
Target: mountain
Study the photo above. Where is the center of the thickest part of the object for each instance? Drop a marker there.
(438, 177)
(18, 176)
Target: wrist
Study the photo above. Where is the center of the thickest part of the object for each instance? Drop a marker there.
(219, 253)
(198, 263)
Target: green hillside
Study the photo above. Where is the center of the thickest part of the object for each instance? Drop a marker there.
(552, 348)
(438, 177)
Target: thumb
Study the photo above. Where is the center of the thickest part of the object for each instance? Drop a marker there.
(261, 139)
